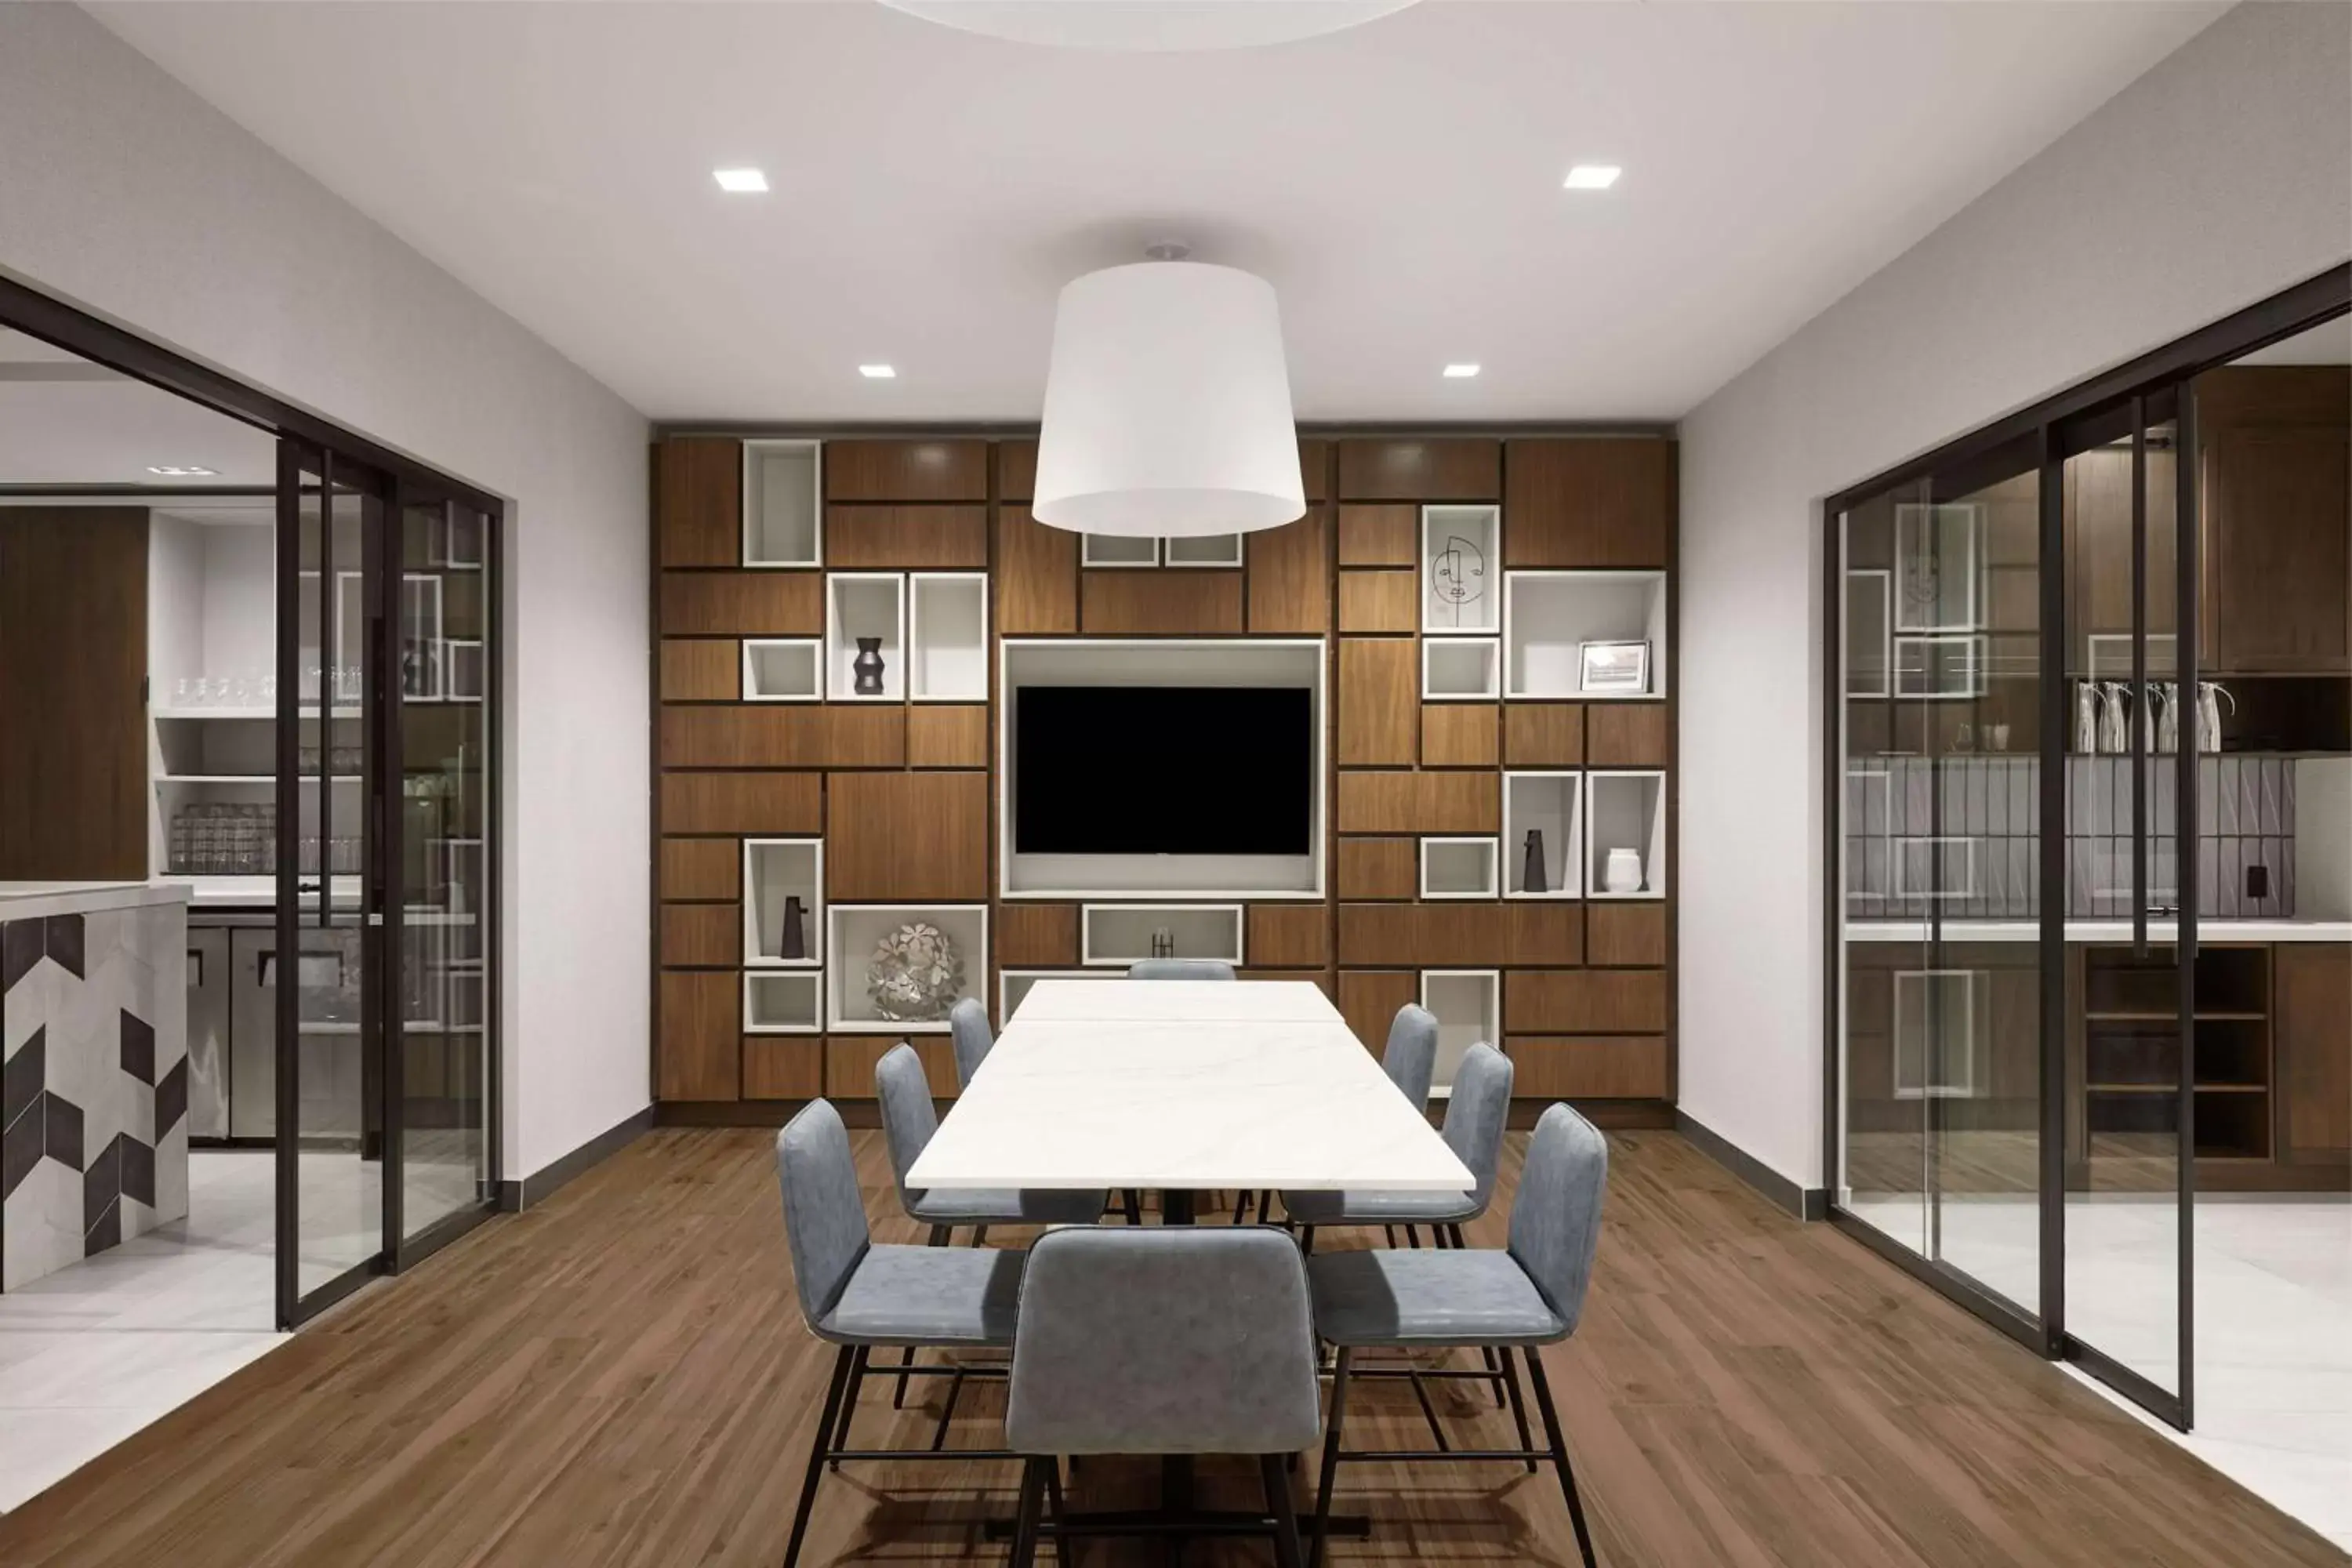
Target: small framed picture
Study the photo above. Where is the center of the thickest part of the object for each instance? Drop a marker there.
(1618, 668)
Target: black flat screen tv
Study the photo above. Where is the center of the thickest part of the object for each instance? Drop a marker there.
(1163, 770)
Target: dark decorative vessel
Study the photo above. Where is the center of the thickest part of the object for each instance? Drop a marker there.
(865, 669)
(1531, 875)
(792, 941)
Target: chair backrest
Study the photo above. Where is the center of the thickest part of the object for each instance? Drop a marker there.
(1555, 1214)
(1410, 1058)
(1180, 969)
(908, 1117)
(1164, 1341)
(1475, 1115)
(968, 1023)
(824, 1216)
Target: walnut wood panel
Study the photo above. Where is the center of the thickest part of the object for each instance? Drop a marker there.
(783, 1066)
(1543, 735)
(1016, 470)
(701, 669)
(1379, 536)
(1626, 734)
(1036, 936)
(699, 1055)
(1313, 468)
(701, 869)
(1542, 933)
(1453, 468)
(1378, 703)
(1420, 803)
(1378, 869)
(1036, 583)
(1288, 936)
(742, 603)
(922, 538)
(1587, 1067)
(784, 736)
(1460, 734)
(1427, 935)
(1378, 602)
(906, 470)
(2277, 536)
(1588, 501)
(1625, 935)
(1369, 1000)
(2312, 983)
(1321, 978)
(743, 803)
(947, 735)
(1128, 603)
(1584, 1001)
(849, 1063)
(701, 936)
(1290, 576)
(74, 788)
(902, 837)
(700, 510)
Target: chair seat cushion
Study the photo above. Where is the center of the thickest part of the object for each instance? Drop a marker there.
(1381, 1208)
(928, 1296)
(1387, 1297)
(1002, 1205)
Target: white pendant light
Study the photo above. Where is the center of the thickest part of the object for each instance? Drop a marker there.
(1149, 25)
(1168, 405)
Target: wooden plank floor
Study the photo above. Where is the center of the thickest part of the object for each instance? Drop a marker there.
(620, 1378)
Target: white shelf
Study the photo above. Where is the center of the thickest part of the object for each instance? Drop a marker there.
(853, 930)
(1121, 934)
(1012, 985)
(865, 605)
(1208, 549)
(1549, 616)
(783, 669)
(1552, 803)
(1468, 1004)
(1117, 550)
(1461, 562)
(775, 870)
(1626, 809)
(783, 1001)
(783, 503)
(1458, 868)
(946, 624)
(1461, 668)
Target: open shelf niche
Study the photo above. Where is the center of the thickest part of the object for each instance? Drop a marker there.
(783, 669)
(1012, 985)
(1551, 803)
(1117, 550)
(1460, 553)
(774, 870)
(1549, 616)
(1463, 668)
(1459, 868)
(947, 624)
(783, 1001)
(1209, 550)
(1121, 934)
(1625, 810)
(854, 929)
(1468, 1004)
(865, 605)
(783, 503)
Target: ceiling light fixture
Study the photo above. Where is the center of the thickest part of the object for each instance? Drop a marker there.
(1592, 177)
(1150, 27)
(1460, 371)
(878, 372)
(741, 182)
(182, 470)
(1168, 404)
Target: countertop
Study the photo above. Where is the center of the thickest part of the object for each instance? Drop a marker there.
(2101, 931)
(32, 900)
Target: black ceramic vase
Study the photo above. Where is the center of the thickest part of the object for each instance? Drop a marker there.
(1531, 875)
(865, 669)
(792, 941)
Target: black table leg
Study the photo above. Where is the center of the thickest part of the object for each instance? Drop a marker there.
(1178, 1205)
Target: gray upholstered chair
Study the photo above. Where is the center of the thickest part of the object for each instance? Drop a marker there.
(967, 1027)
(1180, 969)
(1476, 1111)
(856, 1295)
(1528, 1294)
(1166, 1341)
(1410, 1058)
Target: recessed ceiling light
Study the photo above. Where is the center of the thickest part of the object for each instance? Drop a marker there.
(1460, 371)
(1592, 177)
(182, 470)
(740, 180)
(878, 372)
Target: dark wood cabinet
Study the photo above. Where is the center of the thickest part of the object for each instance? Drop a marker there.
(2311, 1024)
(2272, 443)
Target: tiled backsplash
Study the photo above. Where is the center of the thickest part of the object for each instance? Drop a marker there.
(1961, 836)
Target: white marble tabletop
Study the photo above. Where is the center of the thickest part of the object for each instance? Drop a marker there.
(1184, 1085)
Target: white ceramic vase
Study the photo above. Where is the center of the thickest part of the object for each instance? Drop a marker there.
(1623, 871)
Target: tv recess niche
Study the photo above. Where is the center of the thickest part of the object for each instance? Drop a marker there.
(1136, 795)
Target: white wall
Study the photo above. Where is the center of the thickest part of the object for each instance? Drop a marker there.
(2221, 176)
(121, 190)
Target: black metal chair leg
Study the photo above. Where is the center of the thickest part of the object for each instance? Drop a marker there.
(1330, 1458)
(849, 1401)
(1559, 1455)
(1134, 1207)
(1277, 1503)
(1413, 1237)
(940, 1235)
(1306, 1240)
(1266, 1206)
(1242, 1207)
(1025, 1523)
(1518, 1404)
(946, 1411)
(979, 1236)
(841, 1364)
(1387, 1234)
(1428, 1411)
(1065, 1549)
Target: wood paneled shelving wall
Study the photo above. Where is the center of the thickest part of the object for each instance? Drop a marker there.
(1437, 762)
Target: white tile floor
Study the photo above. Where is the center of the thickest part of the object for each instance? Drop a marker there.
(2274, 1324)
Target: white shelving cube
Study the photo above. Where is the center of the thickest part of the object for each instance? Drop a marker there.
(783, 669)
(775, 870)
(1012, 985)
(1117, 550)
(1626, 809)
(865, 605)
(1469, 1009)
(783, 1001)
(1461, 562)
(1458, 868)
(853, 930)
(946, 624)
(1549, 616)
(1209, 550)
(1121, 934)
(1551, 803)
(783, 503)
(1462, 667)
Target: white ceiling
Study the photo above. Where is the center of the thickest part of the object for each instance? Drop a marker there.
(65, 421)
(1399, 183)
